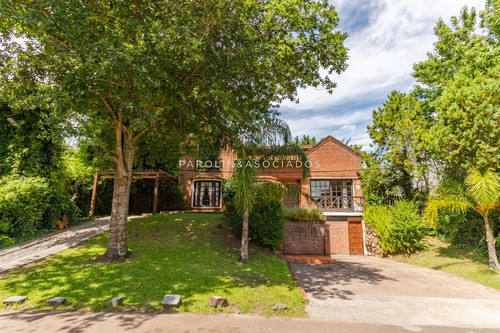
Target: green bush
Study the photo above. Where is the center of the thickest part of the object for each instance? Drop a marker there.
(467, 230)
(266, 220)
(59, 206)
(23, 201)
(400, 228)
(265, 223)
(29, 206)
(304, 214)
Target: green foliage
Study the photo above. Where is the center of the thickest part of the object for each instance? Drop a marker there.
(305, 140)
(400, 228)
(32, 142)
(460, 88)
(482, 194)
(30, 206)
(398, 132)
(304, 215)
(265, 223)
(23, 202)
(379, 184)
(379, 218)
(462, 230)
(266, 217)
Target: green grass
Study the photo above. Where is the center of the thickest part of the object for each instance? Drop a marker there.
(193, 255)
(451, 259)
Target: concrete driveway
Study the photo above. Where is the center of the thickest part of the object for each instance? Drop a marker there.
(370, 290)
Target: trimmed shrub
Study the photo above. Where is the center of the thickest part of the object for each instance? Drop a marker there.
(401, 228)
(304, 214)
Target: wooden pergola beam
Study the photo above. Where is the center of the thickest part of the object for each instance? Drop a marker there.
(157, 175)
(157, 188)
(94, 195)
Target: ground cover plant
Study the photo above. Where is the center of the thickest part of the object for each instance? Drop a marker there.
(193, 255)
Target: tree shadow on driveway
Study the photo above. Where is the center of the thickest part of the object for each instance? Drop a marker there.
(335, 281)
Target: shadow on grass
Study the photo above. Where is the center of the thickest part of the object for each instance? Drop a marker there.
(333, 281)
(172, 254)
(452, 252)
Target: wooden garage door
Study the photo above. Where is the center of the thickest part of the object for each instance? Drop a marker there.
(355, 237)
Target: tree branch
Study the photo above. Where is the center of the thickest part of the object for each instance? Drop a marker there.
(193, 73)
(108, 106)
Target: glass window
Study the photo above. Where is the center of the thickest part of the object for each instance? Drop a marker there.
(331, 188)
(206, 193)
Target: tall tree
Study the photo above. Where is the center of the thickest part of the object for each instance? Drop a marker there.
(399, 132)
(188, 66)
(482, 194)
(460, 88)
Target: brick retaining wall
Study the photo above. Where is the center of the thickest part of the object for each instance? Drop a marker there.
(324, 238)
(304, 238)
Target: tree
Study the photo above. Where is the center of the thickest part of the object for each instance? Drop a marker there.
(246, 184)
(460, 89)
(180, 67)
(305, 141)
(482, 194)
(265, 145)
(399, 133)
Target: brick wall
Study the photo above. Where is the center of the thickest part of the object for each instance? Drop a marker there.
(304, 238)
(338, 237)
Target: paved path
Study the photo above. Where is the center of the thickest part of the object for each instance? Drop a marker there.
(28, 252)
(83, 322)
(363, 289)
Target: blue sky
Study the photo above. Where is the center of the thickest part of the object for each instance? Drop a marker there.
(386, 37)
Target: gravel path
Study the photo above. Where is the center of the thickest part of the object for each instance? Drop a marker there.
(28, 252)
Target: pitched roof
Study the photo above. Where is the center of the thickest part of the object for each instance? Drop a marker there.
(337, 142)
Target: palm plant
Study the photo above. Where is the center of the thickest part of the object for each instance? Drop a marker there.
(482, 194)
(272, 142)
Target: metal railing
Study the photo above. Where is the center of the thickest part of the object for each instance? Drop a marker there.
(339, 203)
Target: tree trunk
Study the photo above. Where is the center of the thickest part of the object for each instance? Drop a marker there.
(124, 158)
(490, 240)
(244, 239)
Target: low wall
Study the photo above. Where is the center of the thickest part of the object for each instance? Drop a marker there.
(304, 238)
(338, 237)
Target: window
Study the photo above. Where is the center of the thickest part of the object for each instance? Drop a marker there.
(206, 193)
(331, 188)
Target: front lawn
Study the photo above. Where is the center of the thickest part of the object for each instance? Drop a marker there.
(190, 254)
(449, 258)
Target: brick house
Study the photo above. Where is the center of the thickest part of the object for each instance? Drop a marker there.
(334, 185)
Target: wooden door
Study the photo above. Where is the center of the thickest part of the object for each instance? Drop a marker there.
(356, 238)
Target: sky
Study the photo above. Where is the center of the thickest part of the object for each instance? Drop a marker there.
(386, 37)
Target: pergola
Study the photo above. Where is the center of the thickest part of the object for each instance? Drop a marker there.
(153, 175)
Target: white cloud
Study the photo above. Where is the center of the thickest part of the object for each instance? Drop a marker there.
(386, 38)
